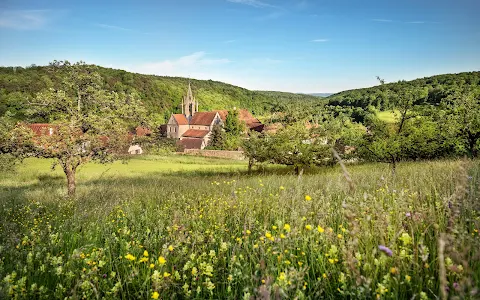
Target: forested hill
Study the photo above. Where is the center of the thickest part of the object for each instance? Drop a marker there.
(161, 95)
(434, 89)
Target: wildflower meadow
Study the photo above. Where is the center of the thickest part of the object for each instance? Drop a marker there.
(176, 228)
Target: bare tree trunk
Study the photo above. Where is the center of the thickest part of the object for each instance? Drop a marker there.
(71, 181)
(250, 165)
(69, 168)
(394, 166)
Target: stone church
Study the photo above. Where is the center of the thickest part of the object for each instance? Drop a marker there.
(193, 129)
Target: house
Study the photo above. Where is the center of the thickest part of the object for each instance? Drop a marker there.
(193, 129)
(40, 129)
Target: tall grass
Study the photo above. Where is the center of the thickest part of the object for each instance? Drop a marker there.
(205, 229)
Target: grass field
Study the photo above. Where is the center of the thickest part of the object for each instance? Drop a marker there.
(188, 227)
(388, 116)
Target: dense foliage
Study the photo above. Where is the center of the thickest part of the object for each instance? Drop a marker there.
(383, 97)
(161, 95)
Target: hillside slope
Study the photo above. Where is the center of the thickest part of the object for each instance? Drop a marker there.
(161, 95)
(435, 88)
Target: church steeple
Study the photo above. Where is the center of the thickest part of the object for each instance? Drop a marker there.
(189, 104)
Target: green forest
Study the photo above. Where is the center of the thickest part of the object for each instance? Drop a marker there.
(161, 95)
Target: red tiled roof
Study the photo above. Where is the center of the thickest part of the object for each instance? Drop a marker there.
(203, 118)
(196, 133)
(223, 114)
(142, 131)
(245, 116)
(181, 120)
(190, 143)
(42, 128)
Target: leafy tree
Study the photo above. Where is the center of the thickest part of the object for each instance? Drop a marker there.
(463, 113)
(233, 125)
(217, 140)
(90, 123)
(257, 149)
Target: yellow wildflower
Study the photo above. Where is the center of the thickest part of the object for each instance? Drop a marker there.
(286, 227)
(308, 227)
(308, 198)
(255, 246)
(282, 236)
(145, 253)
(143, 259)
(268, 235)
(170, 248)
(282, 188)
(130, 257)
(249, 232)
(393, 270)
(274, 227)
(155, 295)
(339, 236)
(408, 278)
(194, 271)
(300, 263)
(331, 261)
(162, 260)
(166, 274)
(152, 266)
(320, 229)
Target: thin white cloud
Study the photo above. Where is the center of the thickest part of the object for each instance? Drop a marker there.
(320, 40)
(254, 3)
(107, 26)
(417, 22)
(183, 66)
(382, 20)
(25, 19)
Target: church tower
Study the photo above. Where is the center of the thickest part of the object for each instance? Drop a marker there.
(189, 104)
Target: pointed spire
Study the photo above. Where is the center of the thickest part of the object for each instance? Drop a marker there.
(189, 92)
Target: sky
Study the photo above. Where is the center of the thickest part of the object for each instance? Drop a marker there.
(305, 46)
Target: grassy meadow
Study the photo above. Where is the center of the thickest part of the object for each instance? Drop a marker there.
(188, 227)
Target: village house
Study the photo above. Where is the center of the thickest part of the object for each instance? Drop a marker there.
(193, 129)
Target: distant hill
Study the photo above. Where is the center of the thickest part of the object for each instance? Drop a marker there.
(435, 88)
(161, 95)
(323, 95)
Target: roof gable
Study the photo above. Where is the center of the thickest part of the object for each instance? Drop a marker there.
(203, 118)
(180, 119)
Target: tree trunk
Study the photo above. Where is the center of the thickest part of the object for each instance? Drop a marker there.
(394, 166)
(250, 165)
(71, 181)
(472, 145)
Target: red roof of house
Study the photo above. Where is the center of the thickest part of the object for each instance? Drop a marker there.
(196, 133)
(181, 120)
(190, 143)
(223, 114)
(245, 116)
(42, 128)
(203, 118)
(142, 131)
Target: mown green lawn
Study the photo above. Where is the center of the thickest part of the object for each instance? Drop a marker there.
(189, 227)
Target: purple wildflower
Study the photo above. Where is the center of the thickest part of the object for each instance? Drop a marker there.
(408, 214)
(385, 250)
(104, 275)
(455, 285)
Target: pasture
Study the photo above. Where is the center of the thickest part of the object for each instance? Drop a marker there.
(189, 227)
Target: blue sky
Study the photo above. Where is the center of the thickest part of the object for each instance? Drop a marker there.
(286, 45)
